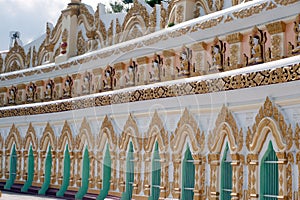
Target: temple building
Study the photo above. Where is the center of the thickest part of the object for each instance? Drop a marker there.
(188, 99)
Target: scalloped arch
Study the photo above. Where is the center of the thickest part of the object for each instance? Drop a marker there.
(13, 137)
(156, 132)
(187, 127)
(65, 138)
(265, 127)
(106, 135)
(130, 132)
(85, 136)
(30, 138)
(225, 126)
(269, 119)
(48, 138)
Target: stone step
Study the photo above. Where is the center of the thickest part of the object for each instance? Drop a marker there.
(33, 190)
(90, 197)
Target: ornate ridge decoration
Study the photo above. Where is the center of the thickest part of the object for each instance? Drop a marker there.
(163, 16)
(107, 129)
(81, 44)
(15, 53)
(1, 143)
(1, 63)
(207, 24)
(282, 74)
(267, 113)
(152, 21)
(136, 9)
(55, 32)
(110, 33)
(186, 124)
(13, 136)
(65, 136)
(41, 53)
(118, 31)
(285, 2)
(30, 138)
(156, 132)
(130, 131)
(247, 12)
(170, 6)
(225, 125)
(48, 138)
(85, 135)
(297, 136)
(85, 13)
(100, 26)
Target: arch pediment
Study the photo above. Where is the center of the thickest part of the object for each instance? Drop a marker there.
(66, 137)
(225, 126)
(269, 120)
(106, 135)
(15, 58)
(130, 132)
(156, 132)
(85, 136)
(187, 127)
(13, 137)
(48, 138)
(30, 138)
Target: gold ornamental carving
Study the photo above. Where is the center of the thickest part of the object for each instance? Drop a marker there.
(15, 58)
(156, 132)
(65, 138)
(85, 137)
(163, 16)
(225, 125)
(187, 127)
(234, 38)
(81, 44)
(30, 139)
(136, 9)
(13, 137)
(269, 116)
(244, 13)
(107, 130)
(48, 138)
(130, 131)
(276, 27)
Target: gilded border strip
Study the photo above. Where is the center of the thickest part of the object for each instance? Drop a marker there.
(252, 79)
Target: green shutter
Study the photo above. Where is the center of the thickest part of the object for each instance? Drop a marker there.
(188, 176)
(156, 171)
(226, 175)
(30, 171)
(47, 177)
(66, 174)
(269, 175)
(85, 175)
(106, 175)
(12, 169)
(129, 174)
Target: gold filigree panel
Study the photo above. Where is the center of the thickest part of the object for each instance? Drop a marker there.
(66, 137)
(156, 132)
(187, 127)
(48, 138)
(85, 137)
(225, 126)
(130, 132)
(106, 135)
(30, 139)
(269, 120)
